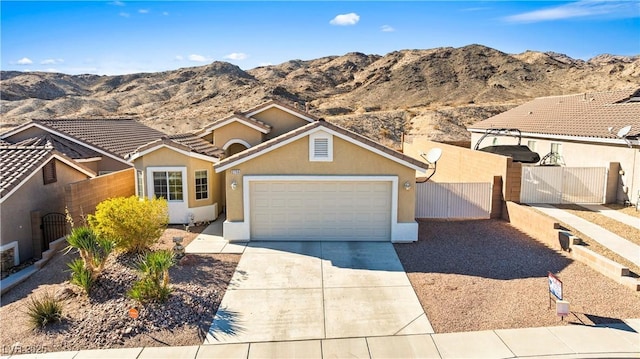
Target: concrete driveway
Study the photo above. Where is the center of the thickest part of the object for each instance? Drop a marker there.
(317, 290)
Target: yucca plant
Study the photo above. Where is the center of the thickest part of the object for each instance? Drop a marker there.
(153, 268)
(43, 310)
(93, 250)
(80, 275)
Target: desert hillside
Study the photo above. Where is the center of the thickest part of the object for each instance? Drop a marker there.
(434, 92)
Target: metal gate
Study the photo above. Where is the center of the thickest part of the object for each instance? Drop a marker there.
(557, 185)
(54, 226)
(453, 200)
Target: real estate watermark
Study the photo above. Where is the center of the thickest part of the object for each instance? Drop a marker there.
(23, 349)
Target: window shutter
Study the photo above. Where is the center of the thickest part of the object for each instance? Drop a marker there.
(49, 172)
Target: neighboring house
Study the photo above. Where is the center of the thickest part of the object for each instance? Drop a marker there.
(320, 182)
(32, 183)
(581, 130)
(100, 144)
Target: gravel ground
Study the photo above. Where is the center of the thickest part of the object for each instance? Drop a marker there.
(483, 275)
(102, 321)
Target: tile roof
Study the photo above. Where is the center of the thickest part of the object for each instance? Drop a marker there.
(271, 103)
(68, 148)
(239, 117)
(584, 115)
(189, 142)
(116, 136)
(321, 123)
(20, 161)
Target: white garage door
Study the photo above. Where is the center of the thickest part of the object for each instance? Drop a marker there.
(320, 210)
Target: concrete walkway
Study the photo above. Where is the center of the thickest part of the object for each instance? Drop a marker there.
(210, 241)
(619, 245)
(612, 213)
(285, 291)
(571, 341)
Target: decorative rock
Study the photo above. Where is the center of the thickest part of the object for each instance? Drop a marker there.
(64, 293)
(188, 260)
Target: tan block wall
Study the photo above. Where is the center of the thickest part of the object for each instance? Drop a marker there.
(280, 121)
(82, 197)
(461, 165)
(533, 223)
(348, 159)
(236, 130)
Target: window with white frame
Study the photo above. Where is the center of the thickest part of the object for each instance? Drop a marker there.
(140, 183)
(168, 184)
(202, 184)
(556, 153)
(531, 145)
(321, 147)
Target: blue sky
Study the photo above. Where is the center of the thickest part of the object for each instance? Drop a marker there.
(118, 37)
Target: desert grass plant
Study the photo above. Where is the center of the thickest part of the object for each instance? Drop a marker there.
(80, 275)
(43, 310)
(134, 224)
(153, 269)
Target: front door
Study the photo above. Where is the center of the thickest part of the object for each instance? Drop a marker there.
(170, 183)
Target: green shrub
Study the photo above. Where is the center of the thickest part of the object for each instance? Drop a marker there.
(44, 310)
(80, 275)
(93, 249)
(153, 269)
(133, 224)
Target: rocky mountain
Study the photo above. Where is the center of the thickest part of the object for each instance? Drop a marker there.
(435, 92)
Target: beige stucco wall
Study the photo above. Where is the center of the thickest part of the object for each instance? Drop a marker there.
(15, 211)
(236, 130)
(280, 121)
(581, 154)
(348, 159)
(165, 157)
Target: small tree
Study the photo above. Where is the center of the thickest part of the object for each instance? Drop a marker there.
(133, 224)
(153, 269)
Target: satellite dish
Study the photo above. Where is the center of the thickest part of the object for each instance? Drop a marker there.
(434, 155)
(624, 131)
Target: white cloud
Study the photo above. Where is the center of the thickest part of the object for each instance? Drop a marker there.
(117, 3)
(345, 19)
(236, 56)
(197, 58)
(582, 8)
(179, 57)
(51, 61)
(50, 70)
(265, 64)
(25, 61)
(165, 13)
(124, 14)
(387, 28)
(143, 11)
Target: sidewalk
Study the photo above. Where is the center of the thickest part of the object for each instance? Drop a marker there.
(621, 246)
(571, 341)
(210, 241)
(612, 213)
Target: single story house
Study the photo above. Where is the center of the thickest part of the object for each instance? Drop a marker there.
(278, 173)
(32, 183)
(320, 182)
(581, 130)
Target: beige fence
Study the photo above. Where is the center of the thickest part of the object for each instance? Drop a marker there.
(556, 185)
(453, 200)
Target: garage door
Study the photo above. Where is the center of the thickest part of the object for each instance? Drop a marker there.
(320, 210)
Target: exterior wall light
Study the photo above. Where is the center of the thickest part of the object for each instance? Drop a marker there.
(407, 185)
(234, 185)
